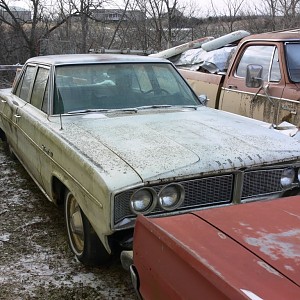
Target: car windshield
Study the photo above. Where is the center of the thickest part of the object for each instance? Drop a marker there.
(119, 86)
(293, 61)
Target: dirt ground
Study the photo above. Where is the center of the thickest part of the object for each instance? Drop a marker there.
(35, 261)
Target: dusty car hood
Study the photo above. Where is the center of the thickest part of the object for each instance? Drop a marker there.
(172, 144)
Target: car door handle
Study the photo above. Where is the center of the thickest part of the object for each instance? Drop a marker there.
(234, 87)
(17, 116)
(3, 101)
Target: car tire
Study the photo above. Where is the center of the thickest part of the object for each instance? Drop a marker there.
(9, 151)
(82, 238)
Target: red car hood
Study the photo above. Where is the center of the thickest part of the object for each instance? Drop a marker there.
(270, 230)
(246, 251)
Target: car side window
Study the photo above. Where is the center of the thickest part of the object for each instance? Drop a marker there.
(266, 56)
(39, 88)
(46, 99)
(25, 82)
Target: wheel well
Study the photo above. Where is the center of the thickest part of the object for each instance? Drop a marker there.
(2, 135)
(58, 190)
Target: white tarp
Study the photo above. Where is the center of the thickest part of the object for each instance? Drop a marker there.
(214, 61)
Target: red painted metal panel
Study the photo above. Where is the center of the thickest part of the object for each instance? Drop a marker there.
(187, 257)
(271, 229)
(166, 271)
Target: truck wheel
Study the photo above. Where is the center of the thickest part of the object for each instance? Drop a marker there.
(82, 238)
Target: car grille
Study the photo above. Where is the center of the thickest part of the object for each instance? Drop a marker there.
(261, 182)
(211, 191)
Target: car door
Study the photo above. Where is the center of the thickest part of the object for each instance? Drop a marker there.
(11, 105)
(30, 106)
(258, 103)
(290, 102)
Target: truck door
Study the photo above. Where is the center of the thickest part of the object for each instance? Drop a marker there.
(236, 97)
(290, 104)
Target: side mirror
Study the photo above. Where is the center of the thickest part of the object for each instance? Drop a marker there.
(203, 99)
(254, 76)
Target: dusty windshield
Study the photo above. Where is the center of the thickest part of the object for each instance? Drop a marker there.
(119, 86)
(293, 61)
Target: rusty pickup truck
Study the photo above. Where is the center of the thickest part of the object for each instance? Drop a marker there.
(270, 93)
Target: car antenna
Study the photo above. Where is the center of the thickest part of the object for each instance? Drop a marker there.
(60, 107)
(60, 119)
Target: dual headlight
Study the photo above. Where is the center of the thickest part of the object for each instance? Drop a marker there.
(170, 197)
(289, 176)
(145, 200)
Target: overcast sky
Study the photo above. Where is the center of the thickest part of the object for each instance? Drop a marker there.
(222, 5)
(203, 6)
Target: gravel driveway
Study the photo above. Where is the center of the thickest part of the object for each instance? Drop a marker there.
(35, 261)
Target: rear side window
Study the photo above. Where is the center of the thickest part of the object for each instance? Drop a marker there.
(25, 83)
(293, 63)
(39, 94)
(266, 56)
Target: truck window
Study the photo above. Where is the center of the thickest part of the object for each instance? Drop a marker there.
(275, 74)
(39, 88)
(266, 56)
(293, 62)
(25, 82)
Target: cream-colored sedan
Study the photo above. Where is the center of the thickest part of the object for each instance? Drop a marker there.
(115, 136)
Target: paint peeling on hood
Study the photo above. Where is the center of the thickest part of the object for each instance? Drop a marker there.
(269, 229)
(277, 245)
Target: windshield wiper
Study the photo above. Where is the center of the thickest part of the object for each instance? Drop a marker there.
(128, 109)
(166, 106)
(87, 110)
(153, 106)
(92, 110)
(195, 107)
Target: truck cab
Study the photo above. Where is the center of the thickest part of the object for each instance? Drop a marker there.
(277, 98)
(277, 54)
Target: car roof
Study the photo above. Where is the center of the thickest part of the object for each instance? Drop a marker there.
(284, 35)
(66, 59)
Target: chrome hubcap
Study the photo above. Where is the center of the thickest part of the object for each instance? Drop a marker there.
(75, 224)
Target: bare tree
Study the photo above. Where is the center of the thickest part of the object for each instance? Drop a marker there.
(279, 14)
(82, 12)
(119, 23)
(29, 31)
(165, 21)
(228, 15)
(271, 7)
(289, 9)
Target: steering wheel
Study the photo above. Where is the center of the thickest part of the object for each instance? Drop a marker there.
(158, 91)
